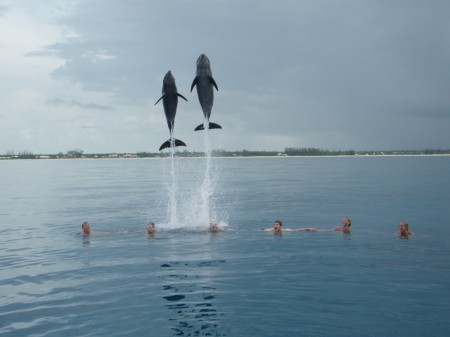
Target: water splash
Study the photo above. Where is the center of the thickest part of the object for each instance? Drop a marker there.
(172, 189)
(190, 195)
(206, 190)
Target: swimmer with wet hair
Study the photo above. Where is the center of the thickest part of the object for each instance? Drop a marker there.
(86, 227)
(277, 228)
(346, 223)
(214, 227)
(151, 229)
(403, 230)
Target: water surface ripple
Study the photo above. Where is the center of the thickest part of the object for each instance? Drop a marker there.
(239, 282)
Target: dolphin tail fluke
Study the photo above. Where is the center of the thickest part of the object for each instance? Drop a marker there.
(168, 143)
(214, 126)
(179, 143)
(211, 125)
(165, 145)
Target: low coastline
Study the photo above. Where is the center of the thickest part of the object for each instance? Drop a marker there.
(231, 154)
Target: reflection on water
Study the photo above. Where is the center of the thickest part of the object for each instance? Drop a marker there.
(85, 239)
(191, 298)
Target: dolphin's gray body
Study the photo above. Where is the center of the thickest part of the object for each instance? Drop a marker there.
(205, 82)
(170, 101)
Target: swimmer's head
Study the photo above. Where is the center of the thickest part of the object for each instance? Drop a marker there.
(214, 227)
(346, 221)
(277, 225)
(404, 225)
(86, 228)
(151, 228)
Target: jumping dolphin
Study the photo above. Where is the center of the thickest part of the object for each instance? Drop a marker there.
(205, 91)
(170, 102)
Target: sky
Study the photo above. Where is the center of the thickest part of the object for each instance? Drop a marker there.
(336, 75)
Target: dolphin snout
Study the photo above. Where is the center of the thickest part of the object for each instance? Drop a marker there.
(203, 60)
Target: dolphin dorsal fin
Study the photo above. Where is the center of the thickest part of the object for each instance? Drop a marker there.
(211, 79)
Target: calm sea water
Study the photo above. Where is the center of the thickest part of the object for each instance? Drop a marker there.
(239, 282)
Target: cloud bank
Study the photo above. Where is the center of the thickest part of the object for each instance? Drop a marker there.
(340, 75)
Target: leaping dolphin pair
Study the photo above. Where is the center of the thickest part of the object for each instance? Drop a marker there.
(170, 101)
(205, 83)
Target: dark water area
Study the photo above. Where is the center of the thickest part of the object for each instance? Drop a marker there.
(185, 281)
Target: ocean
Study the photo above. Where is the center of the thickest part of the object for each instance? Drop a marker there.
(186, 281)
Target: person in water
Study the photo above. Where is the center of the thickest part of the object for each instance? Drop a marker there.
(214, 227)
(151, 229)
(277, 228)
(86, 227)
(346, 223)
(403, 230)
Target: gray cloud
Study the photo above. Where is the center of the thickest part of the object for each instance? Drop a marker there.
(61, 101)
(88, 126)
(346, 74)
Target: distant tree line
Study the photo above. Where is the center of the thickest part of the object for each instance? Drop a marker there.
(21, 155)
(311, 151)
(289, 151)
(436, 151)
(214, 153)
(76, 153)
(244, 153)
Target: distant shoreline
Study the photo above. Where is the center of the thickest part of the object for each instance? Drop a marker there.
(237, 154)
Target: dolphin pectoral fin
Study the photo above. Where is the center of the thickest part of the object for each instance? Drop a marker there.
(168, 143)
(159, 99)
(210, 126)
(194, 82)
(211, 79)
(180, 95)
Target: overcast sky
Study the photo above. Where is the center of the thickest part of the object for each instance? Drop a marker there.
(348, 74)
